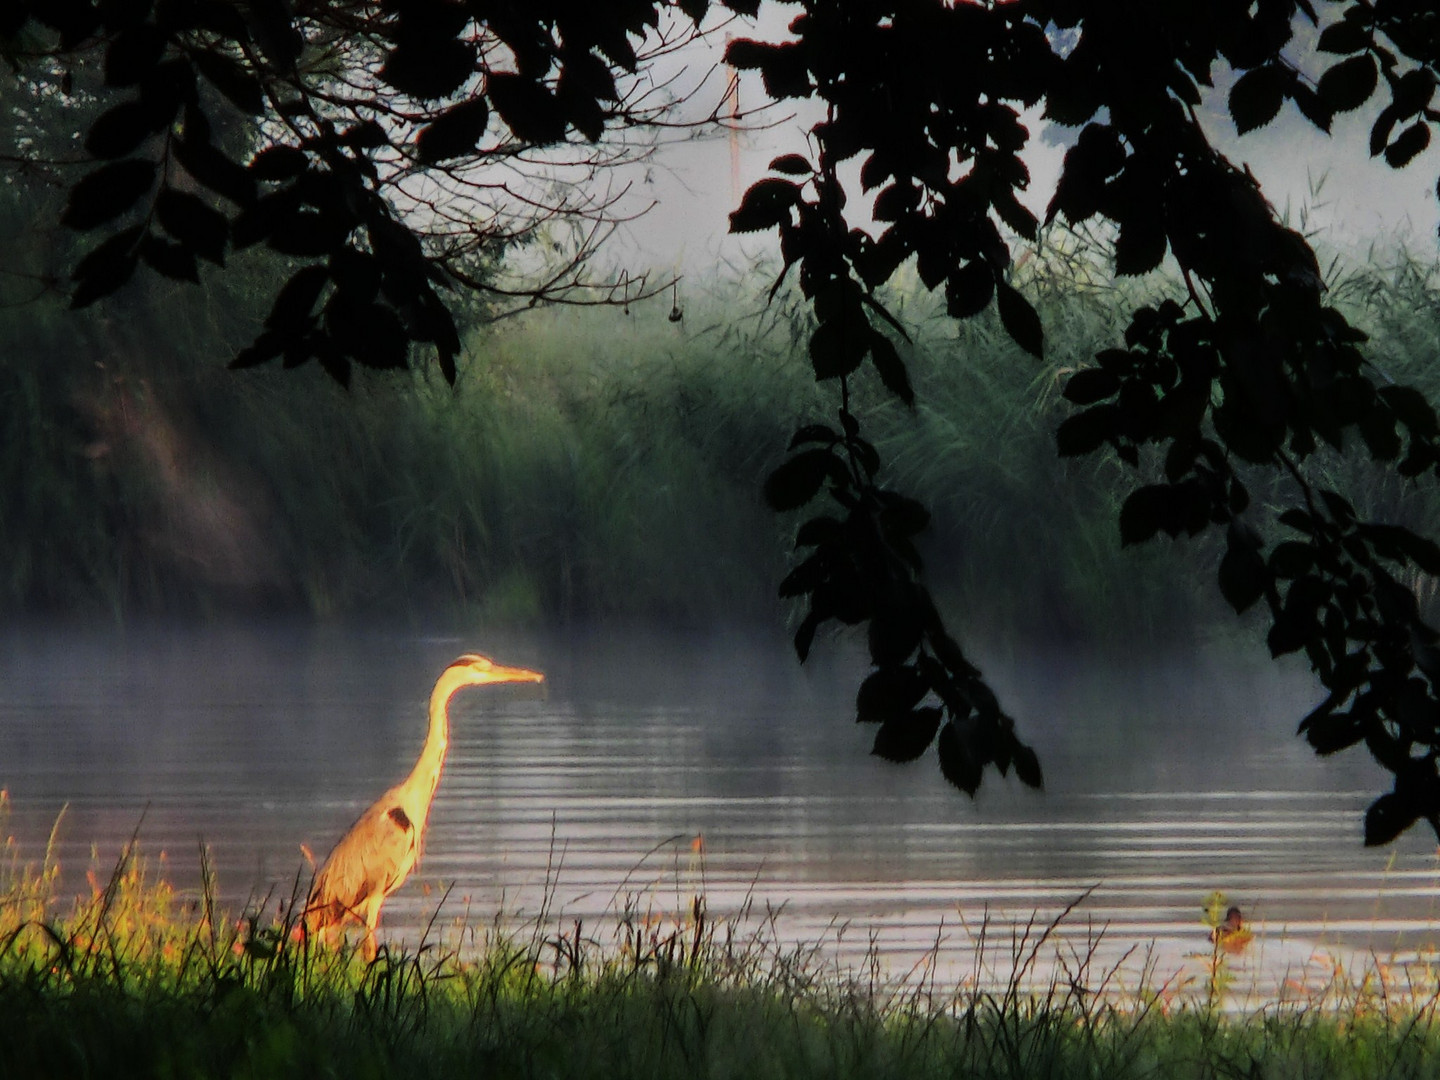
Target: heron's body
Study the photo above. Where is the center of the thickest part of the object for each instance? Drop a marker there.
(375, 857)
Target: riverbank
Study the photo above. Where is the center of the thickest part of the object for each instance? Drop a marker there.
(138, 980)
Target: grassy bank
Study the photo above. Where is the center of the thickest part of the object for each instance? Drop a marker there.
(590, 464)
(136, 980)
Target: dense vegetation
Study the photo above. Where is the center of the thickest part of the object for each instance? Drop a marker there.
(589, 464)
(137, 980)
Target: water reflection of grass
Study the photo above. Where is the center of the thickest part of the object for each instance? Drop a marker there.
(136, 979)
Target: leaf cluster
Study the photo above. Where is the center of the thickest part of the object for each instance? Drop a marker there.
(1248, 368)
(860, 567)
(344, 106)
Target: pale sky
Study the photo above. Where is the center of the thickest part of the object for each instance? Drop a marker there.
(1359, 201)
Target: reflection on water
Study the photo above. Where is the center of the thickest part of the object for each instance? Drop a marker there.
(1164, 782)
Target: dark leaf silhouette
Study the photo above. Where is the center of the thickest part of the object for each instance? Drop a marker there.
(527, 108)
(107, 193)
(455, 132)
(296, 300)
(119, 131)
(241, 88)
(429, 67)
(1349, 84)
(766, 204)
(133, 54)
(1411, 142)
(1019, 319)
(188, 219)
(1388, 817)
(109, 265)
(172, 260)
(905, 738)
(798, 480)
(1256, 97)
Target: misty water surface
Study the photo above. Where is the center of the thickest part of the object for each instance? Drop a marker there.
(1167, 777)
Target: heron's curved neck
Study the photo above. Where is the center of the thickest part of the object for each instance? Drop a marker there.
(426, 774)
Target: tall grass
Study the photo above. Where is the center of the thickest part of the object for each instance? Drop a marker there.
(590, 464)
(136, 980)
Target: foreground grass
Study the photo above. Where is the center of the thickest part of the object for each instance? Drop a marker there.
(138, 981)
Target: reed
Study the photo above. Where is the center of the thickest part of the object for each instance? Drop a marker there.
(591, 464)
(136, 980)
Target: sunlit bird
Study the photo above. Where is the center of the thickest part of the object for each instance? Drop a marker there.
(1232, 934)
(375, 857)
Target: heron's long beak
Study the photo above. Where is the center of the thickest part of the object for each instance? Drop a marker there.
(499, 673)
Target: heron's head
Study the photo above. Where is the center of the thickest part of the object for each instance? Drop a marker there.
(478, 670)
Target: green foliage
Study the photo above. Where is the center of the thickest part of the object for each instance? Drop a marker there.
(137, 980)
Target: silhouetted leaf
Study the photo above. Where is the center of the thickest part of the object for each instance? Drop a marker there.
(894, 634)
(1145, 512)
(797, 480)
(1090, 385)
(766, 203)
(1291, 559)
(839, 347)
(1312, 106)
(455, 132)
(308, 234)
(1020, 320)
(1380, 131)
(1412, 407)
(527, 108)
(1333, 732)
(968, 289)
(1140, 244)
(431, 67)
(1027, 767)
(228, 76)
(1086, 432)
(1412, 141)
(805, 635)
(214, 170)
(118, 131)
(174, 261)
(1388, 817)
(791, 165)
(1243, 576)
(132, 54)
(1343, 36)
(814, 433)
(896, 201)
(901, 516)
(265, 348)
(296, 300)
(366, 135)
(188, 219)
(889, 692)
(106, 267)
(107, 193)
(1349, 84)
(782, 67)
(905, 738)
(279, 162)
(1015, 214)
(891, 368)
(1257, 95)
(369, 333)
(958, 760)
(356, 272)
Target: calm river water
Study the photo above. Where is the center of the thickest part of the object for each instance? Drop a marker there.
(656, 767)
